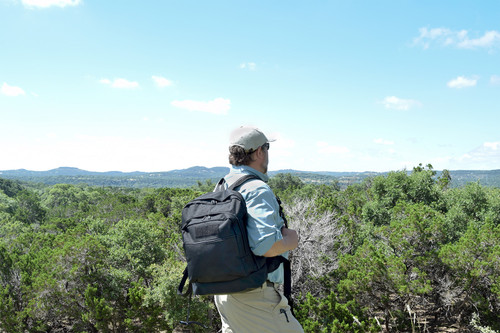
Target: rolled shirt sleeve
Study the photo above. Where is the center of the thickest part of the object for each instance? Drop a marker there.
(264, 225)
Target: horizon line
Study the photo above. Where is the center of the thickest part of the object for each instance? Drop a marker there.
(200, 166)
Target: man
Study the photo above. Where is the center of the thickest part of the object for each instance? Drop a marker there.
(263, 309)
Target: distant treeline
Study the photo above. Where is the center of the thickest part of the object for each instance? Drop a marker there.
(190, 177)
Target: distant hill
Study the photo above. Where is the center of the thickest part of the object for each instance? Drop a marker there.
(67, 175)
(485, 177)
(191, 176)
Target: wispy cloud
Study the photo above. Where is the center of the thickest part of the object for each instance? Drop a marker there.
(217, 106)
(395, 103)
(459, 39)
(483, 156)
(326, 148)
(120, 83)
(462, 82)
(381, 141)
(50, 3)
(492, 145)
(489, 39)
(495, 79)
(11, 90)
(162, 82)
(251, 66)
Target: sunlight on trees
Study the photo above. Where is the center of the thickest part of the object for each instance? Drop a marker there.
(402, 252)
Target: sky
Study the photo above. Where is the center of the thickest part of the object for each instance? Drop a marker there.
(159, 85)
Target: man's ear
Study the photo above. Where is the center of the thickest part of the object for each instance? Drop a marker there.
(259, 152)
(254, 155)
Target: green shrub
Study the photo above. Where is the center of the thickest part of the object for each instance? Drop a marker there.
(327, 315)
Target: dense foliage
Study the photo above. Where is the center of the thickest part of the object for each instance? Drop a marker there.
(398, 252)
(89, 259)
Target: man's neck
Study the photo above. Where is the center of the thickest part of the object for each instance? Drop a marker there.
(257, 167)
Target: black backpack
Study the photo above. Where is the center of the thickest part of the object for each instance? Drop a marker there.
(215, 240)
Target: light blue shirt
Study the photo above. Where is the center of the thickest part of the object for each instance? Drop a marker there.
(264, 221)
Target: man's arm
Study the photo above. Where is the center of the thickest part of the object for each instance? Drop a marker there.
(289, 242)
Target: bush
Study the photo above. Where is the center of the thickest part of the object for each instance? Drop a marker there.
(328, 315)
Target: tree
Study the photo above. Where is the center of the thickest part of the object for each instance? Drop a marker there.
(444, 180)
(29, 209)
(9, 187)
(322, 241)
(475, 270)
(207, 186)
(284, 184)
(396, 270)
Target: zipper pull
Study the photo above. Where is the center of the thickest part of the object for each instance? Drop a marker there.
(284, 312)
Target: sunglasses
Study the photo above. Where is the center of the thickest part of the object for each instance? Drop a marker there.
(266, 145)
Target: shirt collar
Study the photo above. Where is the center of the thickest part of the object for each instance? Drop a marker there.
(246, 170)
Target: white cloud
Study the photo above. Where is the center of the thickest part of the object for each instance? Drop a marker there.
(383, 142)
(489, 39)
(11, 90)
(395, 103)
(50, 3)
(120, 83)
(249, 65)
(162, 82)
(459, 39)
(486, 156)
(124, 84)
(491, 145)
(217, 106)
(325, 148)
(428, 35)
(462, 82)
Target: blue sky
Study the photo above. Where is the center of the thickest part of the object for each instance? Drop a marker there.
(159, 85)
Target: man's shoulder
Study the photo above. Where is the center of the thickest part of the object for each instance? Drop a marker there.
(253, 183)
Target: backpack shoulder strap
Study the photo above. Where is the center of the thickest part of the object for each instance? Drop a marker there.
(219, 186)
(242, 180)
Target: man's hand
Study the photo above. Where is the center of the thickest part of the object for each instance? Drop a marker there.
(289, 242)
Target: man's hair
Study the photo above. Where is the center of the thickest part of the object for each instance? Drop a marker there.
(238, 156)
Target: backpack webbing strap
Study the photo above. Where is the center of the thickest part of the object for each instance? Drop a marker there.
(183, 282)
(287, 285)
(189, 294)
(282, 212)
(272, 264)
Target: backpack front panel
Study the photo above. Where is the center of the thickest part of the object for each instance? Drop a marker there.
(215, 238)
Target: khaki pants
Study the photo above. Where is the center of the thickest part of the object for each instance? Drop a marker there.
(260, 310)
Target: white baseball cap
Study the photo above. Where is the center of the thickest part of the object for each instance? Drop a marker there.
(247, 137)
